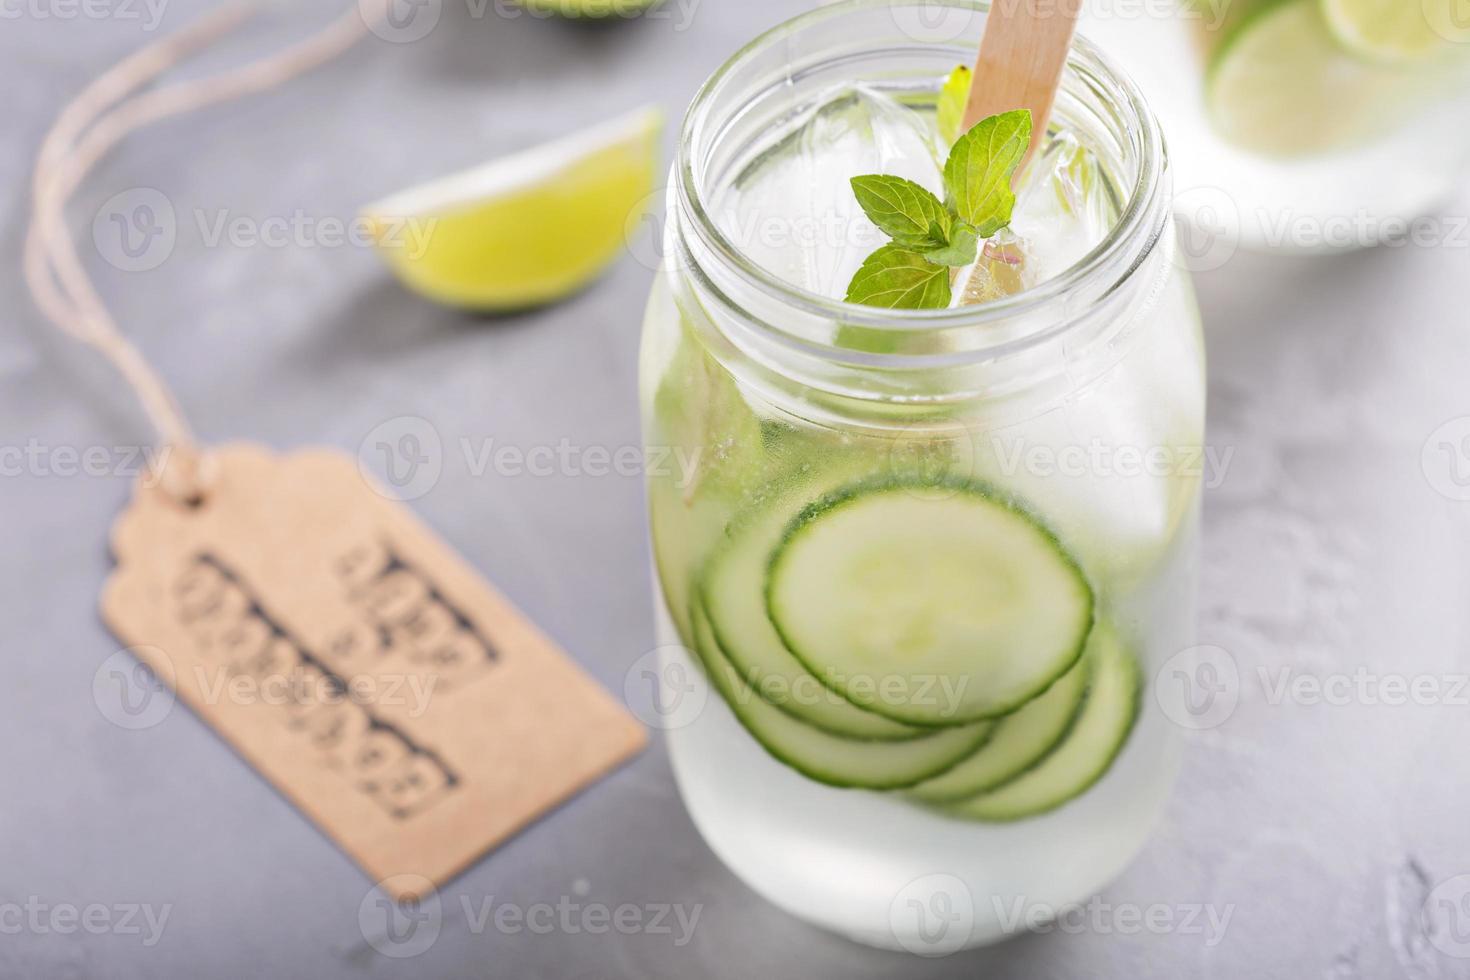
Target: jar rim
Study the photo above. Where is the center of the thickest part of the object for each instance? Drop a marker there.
(1128, 243)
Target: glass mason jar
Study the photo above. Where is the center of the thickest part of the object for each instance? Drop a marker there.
(1029, 470)
(1290, 129)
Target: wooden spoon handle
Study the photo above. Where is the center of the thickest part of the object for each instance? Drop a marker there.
(1021, 60)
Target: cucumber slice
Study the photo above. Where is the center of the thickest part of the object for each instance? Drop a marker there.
(733, 594)
(822, 756)
(1090, 747)
(672, 538)
(928, 609)
(593, 9)
(1019, 741)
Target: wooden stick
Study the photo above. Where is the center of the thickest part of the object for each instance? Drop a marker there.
(1021, 60)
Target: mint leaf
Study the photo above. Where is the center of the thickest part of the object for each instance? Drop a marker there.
(904, 211)
(898, 278)
(962, 248)
(977, 176)
(950, 109)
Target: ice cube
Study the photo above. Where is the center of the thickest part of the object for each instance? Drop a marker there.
(793, 209)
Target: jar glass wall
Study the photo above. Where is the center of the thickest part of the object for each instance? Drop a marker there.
(867, 483)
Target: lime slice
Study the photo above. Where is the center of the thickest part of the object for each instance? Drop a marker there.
(1280, 85)
(1392, 31)
(528, 228)
(590, 8)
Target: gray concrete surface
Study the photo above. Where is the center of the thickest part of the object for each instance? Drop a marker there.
(1333, 547)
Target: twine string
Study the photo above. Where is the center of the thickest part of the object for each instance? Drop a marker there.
(104, 113)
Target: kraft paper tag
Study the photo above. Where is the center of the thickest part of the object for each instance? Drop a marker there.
(374, 678)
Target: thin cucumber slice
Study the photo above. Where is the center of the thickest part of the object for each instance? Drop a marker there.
(822, 756)
(672, 537)
(1089, 749)
(1019, 741)
(733, 593)
(593, 9)
(925, 608)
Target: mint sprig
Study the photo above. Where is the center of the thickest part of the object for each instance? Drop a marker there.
(928, 235)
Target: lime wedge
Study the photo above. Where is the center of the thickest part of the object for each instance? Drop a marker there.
(1395, 32)
(526, 229)
(589, 8)
(1280, 85)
